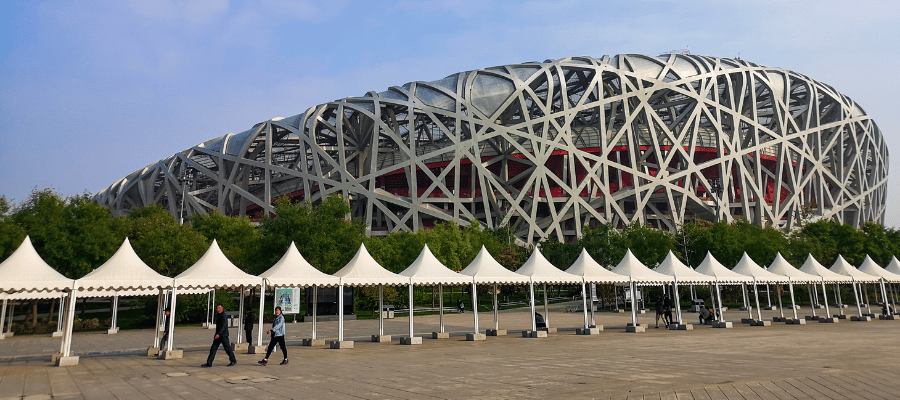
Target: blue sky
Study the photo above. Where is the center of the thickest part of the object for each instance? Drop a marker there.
(91, 91)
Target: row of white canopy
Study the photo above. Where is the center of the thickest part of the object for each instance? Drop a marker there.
(25, 275)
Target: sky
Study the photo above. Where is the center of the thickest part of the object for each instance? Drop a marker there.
(92, 91)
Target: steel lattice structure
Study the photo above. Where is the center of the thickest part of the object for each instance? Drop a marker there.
(555, 145)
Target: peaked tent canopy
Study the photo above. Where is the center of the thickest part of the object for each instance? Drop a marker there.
(712, 267)
(631, 267)
(123, 271)
(672, 266)
(780, 266)
(293, 270)
(746, 266)
(485, 269)
(214, 270)
(842, 267)
(26, 271)
(363, 270)
(893, 266)
(591, 271)
(813, 267)
(542, 271)
(869, 266)
(428, 270)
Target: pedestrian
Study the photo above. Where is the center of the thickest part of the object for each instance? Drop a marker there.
(221, 338)
(165, 336)
(248, 325)
(277, 333)
(460, 307)
(667, 309)
(660, 313)
(705, 315)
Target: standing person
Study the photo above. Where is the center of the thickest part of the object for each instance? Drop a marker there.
(165, 337)
(248, 325)
(660, 313)
(460, 307)
(277, 333)
(667, 308)
(220, 338)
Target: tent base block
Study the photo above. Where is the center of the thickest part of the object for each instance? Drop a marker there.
(840, 316)
(638, 324)
(761, 323)
(152, 351)
(681, 327)
(812, 317)
(473, 337)
(440, 335)
(245, 347)
(495, 332)
(864, 318)
(789, 321)
(381, 338)
(723, 324)
(170, 354)
(771, 308)
(340, 344)
(256, 350)
(112, 331)
(534, 334)
(619, 311)
(312, 342)
(748, 321)
(887, 317)
(589, 331)
(840, 306)
(55, 334)
(70, 361)
(551, 329)
(635, 329)
(779, 319)
(832, 320)
(411, 340)
(7, 334)
(870, 315)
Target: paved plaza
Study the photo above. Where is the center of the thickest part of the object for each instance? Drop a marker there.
(845, 360)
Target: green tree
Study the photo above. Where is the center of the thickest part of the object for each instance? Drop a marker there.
(236, 236)
(164, 245)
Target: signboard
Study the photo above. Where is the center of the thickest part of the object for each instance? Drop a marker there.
(288, 299)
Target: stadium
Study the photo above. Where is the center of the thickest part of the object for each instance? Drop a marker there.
(549, 147)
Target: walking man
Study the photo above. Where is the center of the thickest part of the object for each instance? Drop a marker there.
(220, 338)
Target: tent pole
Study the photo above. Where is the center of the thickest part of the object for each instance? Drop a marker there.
(411, 334)
(856, 296)
(65, 330)
(825, 299)
(240, 332)
(812, 303)
(677, 301)
(746, 301)
(341, 311)
(756, 297)
(212, 310)
(615, 297)
(59, 317)
(475, 306)
(208, 299)
(262, 305)
(768, 296)
(633, 289)
(114, 323)
(170, 341)
(380, 310)
(531, 303)
(584, 302)
(70, 321)
(496, 310)
(884, 297)
(315, 309)
(159, 314)
(865, 289)
(546, 309)
(837, 296)
(594, 290)
(719, 299)
(3, 318)
(441, 305)
(793, 302)
(779, 291)
(893, 295)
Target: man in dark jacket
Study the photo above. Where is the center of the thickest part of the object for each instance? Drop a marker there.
(220, 338)
(248, 325)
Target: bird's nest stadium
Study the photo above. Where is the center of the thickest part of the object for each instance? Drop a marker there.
(552, 145)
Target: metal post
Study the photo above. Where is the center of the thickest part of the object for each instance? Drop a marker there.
(812, 303)
(3, 317)
(884, 297)
(825, 299)
(59, 316)
(411, 334)
(546, 309)
(380, 310)
(262, 305)
(719, 298)
(769, 296)
(584, 302)
(793, 303)
(865, 289)
(496, 310)
(633, 289)
(208, 306)
(170, 341)
(531, 303)
(593, 290)
(746, 300)
(475, 306)
(341, 311)
(856, 296)
(315, 309)
(756, 297)
(441, 305)
(778, 291)
(240, 332)
(114, 323)
(70, 320)
(159, 315)
(837, 295)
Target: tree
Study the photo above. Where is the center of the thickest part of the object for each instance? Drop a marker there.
(164, 245)
(236, 236)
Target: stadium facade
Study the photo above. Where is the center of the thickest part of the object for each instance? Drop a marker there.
(551, 146)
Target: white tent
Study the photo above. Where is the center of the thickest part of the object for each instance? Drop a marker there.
(746, 266)
(869, 266)
(893, 266)
(427, 270)
(25, 272)
(813, 267)
(484, 269)
(637, 273)
(780, 266)
(712, 267)
(842, 267)
(680, 273)
(539, 270)
(363, 270)
(592, 272)
(214, 270)
(124, 274)
(292, 270)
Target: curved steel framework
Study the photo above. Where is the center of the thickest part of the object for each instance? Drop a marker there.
(555, 145)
